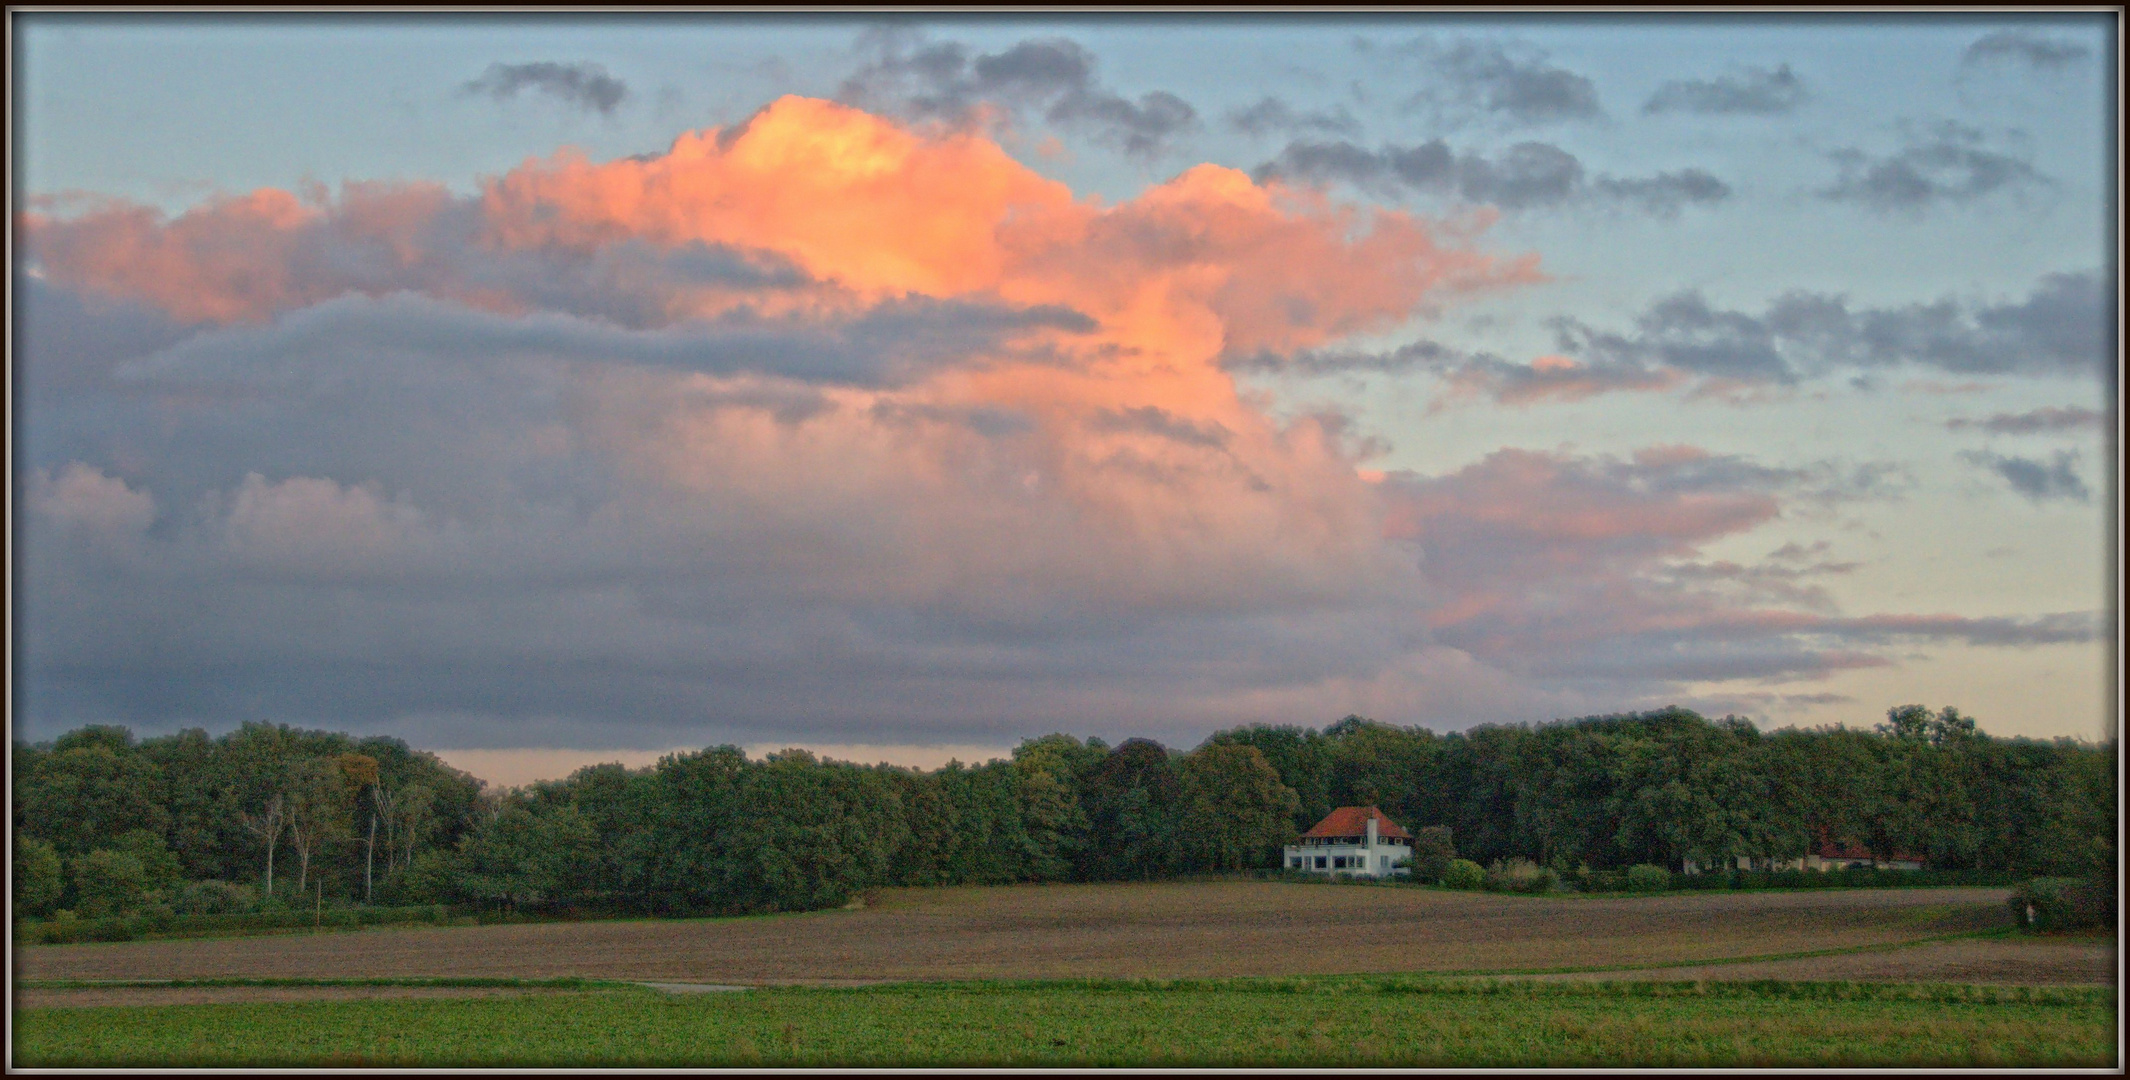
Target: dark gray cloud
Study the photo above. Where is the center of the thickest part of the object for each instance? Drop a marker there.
(1525, 176)
(1272, 116)
(1503, 81)
(1051, 77)
(2036, 421)
(2064, 328)
(1749, 91)
(1945, 163)
(891, 342)
(2039, 481)
(2023, 48)
(583, 85)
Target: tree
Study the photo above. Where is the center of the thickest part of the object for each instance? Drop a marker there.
(92, 786)
(1234, 807)
(317, 811)
(359, 773)
(268, 825)
(1131, 801)
(412, 810)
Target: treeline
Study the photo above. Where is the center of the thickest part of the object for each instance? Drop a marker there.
(716, 832)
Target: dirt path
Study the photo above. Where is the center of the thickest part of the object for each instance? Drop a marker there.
(1170, 929)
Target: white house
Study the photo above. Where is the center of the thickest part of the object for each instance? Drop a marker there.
(1355, 840)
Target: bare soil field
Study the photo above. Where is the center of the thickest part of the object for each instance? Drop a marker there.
(1157, 930)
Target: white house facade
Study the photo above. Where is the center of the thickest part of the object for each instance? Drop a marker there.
(1354, 840)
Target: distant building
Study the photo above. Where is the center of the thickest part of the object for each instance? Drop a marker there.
(1828, 855)
(1356, 840)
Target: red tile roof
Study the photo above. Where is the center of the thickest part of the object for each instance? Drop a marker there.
(1353, 821)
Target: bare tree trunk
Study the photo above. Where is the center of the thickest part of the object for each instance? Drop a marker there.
(268, 827)
(369, 858)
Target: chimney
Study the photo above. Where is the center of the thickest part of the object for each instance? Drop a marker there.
(1371, 830)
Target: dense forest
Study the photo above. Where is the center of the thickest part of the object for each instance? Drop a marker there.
(268, 816)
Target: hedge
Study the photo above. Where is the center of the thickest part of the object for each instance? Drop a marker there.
(2064, 903)
(165, 924)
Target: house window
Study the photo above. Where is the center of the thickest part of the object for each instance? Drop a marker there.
(1320, 862)
(1295, 862)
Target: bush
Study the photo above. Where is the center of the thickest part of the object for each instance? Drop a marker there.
(39, 879)
(1463, 874)
(1648, 878)
(1432, 853)
(1520, 876)
(109, 882)
(2064, 903)
(213, 898)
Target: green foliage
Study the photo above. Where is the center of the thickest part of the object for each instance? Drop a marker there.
(1463, 874)
(1236, 811)
(39, 878)
(1647, 878)
(65, 929)
(213, 898)
(715, 831)
(1133, 801)
(2064, 903)
(107, 882)
(1432, 853)
(1520, 876)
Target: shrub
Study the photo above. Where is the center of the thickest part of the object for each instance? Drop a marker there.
(39, 880)
(108, 882)
(1432, 853)
(1521, 876)
(1648, 878)
(213, 898)
(2064, 903)
(1463, 874)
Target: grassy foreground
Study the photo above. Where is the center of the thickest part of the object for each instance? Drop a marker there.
(1315, 1022)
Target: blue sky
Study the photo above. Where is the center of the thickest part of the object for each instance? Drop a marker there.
(1816, 324)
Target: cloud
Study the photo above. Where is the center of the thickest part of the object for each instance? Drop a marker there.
(1471, 79)
(2039, 481)
(585, 86)
(1051, 77)
(1527, 175)
(1749, 91)
(2046, 419)
(813, 422)
(822, 427)
(1562, 567)
(2023, 48)
(2063, 328)
(1270, 116)
(85, 497)
(1945, 163)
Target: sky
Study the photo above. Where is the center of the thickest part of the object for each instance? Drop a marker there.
(554, 390)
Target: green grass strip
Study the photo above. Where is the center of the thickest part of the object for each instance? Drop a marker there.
(1776, 989)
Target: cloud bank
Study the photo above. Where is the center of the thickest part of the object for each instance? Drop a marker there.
(825, 427)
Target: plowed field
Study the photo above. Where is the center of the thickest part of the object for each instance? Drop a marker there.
(1178, 929)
